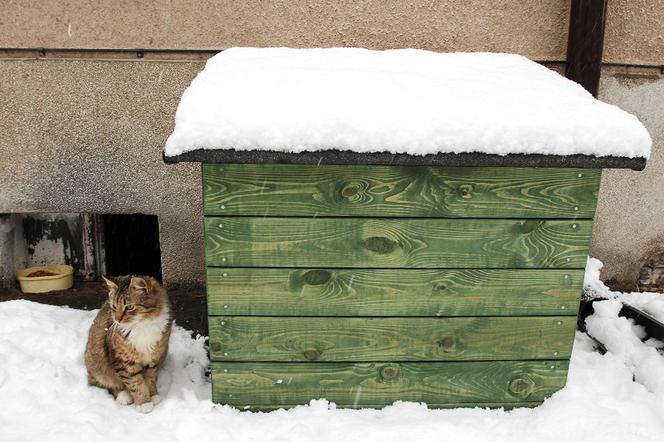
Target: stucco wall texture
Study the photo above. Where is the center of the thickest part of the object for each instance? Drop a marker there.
(87, 136)
(536, 29)
(630, 213)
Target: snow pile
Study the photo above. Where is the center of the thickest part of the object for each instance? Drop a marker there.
(44, 396)
(399, 101)
(651, 303)
(624, 339)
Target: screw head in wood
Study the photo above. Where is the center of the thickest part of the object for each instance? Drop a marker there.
(562, 307)
(574, 226)
(580, 175)
(222, 207)
(225, 306)
(576, 209)
(223, 259)
(221, 226)
(224, 274)
(555, 353)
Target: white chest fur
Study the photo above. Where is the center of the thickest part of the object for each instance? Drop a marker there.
(145, 334)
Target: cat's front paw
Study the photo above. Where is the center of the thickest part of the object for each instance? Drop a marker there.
(155, 399)
(145, 408)
(124, 398)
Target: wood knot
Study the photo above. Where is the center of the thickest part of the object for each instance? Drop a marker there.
(380, 244)
(466, 191)
(215, 346)
(446, 344)
(349, 191)
(389, 372)
(316, 277)
(530, 225)
(311, 355)
(521, 387)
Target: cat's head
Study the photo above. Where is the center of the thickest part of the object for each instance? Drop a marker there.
(133, 299)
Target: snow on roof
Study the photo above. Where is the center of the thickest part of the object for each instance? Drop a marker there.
(399, 101)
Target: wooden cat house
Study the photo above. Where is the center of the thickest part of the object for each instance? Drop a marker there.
(396, 225)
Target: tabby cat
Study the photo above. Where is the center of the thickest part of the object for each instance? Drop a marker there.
(128, 341)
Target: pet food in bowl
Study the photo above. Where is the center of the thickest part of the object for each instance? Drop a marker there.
(43, 279)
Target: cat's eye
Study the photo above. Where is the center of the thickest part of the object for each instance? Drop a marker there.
(129, 307)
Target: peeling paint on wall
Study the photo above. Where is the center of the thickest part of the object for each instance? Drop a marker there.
(54, 239)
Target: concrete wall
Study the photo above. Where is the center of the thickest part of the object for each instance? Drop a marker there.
(630, 213)
(537, 29)
(13, 249)
(534, 28)
(87, 135)
(635, 32)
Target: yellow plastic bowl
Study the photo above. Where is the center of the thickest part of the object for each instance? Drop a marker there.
(62, 280)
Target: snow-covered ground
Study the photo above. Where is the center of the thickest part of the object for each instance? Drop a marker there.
(651, 303)
(618, 396)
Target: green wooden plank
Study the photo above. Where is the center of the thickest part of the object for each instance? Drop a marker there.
(287, 339)
(399, 191)
(380, 384)
(396, 243)
(400, 292)
(482, 405)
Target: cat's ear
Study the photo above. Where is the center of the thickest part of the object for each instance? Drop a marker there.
(138, 284)
(111, 285)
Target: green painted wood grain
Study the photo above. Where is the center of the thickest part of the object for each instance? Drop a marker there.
(394, 292)
(395, 243)
(337, 339)
(380, 384)
(482, 405)
(399, 191)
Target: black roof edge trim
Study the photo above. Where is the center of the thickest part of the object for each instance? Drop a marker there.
(339, 157)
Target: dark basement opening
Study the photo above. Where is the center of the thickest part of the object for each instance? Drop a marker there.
(95, 245)
(131, 245)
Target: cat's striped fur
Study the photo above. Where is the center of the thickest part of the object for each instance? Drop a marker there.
(128, 341)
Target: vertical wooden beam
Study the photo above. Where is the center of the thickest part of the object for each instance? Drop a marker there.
(585, 43)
